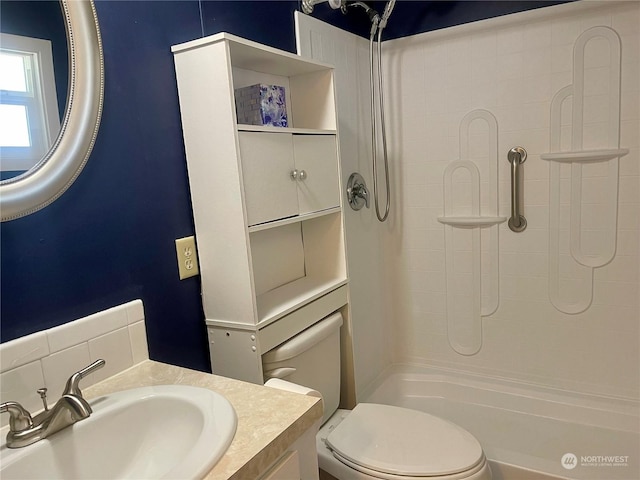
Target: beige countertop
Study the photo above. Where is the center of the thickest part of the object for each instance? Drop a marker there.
(269, 420)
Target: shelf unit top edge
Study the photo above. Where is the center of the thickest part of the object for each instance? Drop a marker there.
(229, 324)
(242, 43)
(268, 129)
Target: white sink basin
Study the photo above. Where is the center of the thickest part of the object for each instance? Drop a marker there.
(169, 431)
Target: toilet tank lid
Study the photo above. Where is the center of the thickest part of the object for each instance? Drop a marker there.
(304, 340)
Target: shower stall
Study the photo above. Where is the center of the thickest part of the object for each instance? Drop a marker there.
(548, 318)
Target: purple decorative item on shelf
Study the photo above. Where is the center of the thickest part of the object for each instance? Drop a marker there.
(261, 105)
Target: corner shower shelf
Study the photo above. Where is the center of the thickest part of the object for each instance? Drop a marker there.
(585, 156)
(466, 309)
(471, 222)
(581, 263)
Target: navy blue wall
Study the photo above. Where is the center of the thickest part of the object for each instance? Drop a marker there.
(110, 238)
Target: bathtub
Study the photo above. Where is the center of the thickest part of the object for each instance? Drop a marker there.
(526, 431)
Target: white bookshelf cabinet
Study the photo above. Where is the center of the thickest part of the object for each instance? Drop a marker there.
(270, 238)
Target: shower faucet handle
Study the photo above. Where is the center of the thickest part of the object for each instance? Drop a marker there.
(357, 192)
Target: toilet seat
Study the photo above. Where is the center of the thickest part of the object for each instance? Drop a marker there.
(479, 470)
(389, 442)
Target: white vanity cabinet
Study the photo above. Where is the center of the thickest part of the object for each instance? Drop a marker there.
(266, 200)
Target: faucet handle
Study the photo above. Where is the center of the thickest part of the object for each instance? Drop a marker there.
(20, 418)
(72, 387)
(43, 396)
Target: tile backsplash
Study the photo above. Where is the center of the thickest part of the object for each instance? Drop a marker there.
(48, 358)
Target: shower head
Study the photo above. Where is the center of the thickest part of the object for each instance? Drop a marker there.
(307, 5)
(378, 22)
(386, 13)
(374, 17)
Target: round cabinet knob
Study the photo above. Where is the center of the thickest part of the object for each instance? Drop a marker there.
(302, 175)
(294, 174)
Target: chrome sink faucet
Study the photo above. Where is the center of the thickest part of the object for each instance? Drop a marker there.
(69, 409)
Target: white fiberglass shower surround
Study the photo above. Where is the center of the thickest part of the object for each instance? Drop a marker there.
(554, 368)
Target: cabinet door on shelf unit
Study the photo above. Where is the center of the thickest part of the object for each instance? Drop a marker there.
(317, 157)
(267, 162)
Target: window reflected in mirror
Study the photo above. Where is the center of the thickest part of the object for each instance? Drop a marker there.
(33, 82)
(29, 119)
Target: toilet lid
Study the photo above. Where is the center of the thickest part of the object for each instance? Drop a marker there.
(399, 441)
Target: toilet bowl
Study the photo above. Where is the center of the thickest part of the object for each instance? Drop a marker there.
(372, 441)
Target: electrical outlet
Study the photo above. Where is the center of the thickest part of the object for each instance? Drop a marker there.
(187, 257)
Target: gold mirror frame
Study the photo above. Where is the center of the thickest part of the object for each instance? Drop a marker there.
(57, 170)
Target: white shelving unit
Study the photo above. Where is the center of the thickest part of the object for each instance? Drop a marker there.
(266, 200)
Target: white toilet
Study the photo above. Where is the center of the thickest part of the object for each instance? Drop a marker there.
(372, 441)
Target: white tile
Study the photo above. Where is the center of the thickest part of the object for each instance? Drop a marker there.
(626, 21)
(536, 88)
(629, 191)
(59, 366)
(135, 311)
(630, 133)
(484, 69)
(595, 20)
(565, 31)
(628, 217)
(560, 80)
(630, 106)
(509, 92)
(20, 385)
(630, 77)
(535, 115)
(84, 329)
(23, 350)
(459, 50)
(536, 36)
(537, 62)
(631, 49)
(459, 99)
(596, 81)
(562, 58)
(483, 45)
(458, 75)
(509, 40)
(510, 65)
(597, 53)
(596, 108)
(623, 268)
(435, 55)
(628, 242)
(115, 349)
(139, 345)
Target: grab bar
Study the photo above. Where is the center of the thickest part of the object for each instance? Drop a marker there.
(516, 157)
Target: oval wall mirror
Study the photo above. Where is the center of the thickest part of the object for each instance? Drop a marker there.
(54, 173)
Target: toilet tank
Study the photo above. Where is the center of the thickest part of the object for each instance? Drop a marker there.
(310, 359)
